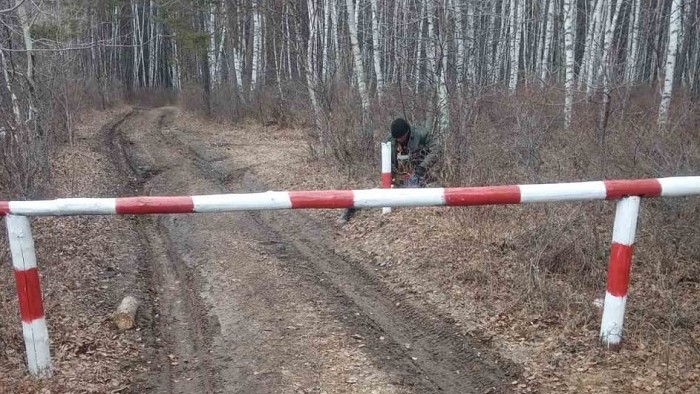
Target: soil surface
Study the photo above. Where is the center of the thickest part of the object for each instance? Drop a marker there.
(291, 302)
(261, 302)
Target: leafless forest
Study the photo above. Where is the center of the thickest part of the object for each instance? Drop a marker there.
(516, 91)
(347, 66)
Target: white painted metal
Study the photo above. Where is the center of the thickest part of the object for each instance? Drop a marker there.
(386, 166)
(36, 335)
(240, 202)
(562, 192)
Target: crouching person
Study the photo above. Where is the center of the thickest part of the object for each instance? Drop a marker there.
(415, 151)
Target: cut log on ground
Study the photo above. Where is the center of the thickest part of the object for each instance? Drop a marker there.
(125, 316)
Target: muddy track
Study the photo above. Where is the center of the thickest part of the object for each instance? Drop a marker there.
(178, 326)
(418, 349)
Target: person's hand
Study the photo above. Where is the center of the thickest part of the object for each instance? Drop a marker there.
(413, 181)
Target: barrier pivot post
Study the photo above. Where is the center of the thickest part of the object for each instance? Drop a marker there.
(386, 170)
(619, 271)
(36, 336)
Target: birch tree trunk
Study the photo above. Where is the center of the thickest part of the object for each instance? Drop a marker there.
(376, 44)
(10, 91)
(596, 46)
(177, 82)
(631, 69)
(607, 44)
(441, 79)
(151, 44)
(547, 43)
(569, 49)
(514, 45)
(334, 34)
(311, 75)
(257, 48)
(211, 53)
(29, 49)
(459, 37)
(28, 43)
(326, 40)
(417, 77)
(674, 22)
(358, 68)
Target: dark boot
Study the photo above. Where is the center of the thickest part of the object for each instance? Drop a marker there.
(346, 216)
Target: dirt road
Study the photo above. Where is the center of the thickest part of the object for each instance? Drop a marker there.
(259, 301)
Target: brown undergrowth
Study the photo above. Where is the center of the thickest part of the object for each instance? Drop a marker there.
(529, 277)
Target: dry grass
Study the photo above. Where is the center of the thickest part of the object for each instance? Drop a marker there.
(527, 276)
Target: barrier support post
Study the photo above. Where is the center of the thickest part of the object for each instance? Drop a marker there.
(619, 266)
(36, 336)
(386, 170)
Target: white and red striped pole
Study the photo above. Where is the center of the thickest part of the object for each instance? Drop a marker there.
(36, 335)
(619, 271)
(365, 198)
(386, 170)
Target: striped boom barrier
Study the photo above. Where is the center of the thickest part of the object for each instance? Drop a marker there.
(365, 198)
(627, 191)
(386, 170)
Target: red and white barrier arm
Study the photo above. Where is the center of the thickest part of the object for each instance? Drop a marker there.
(367, 198)
(36, 336)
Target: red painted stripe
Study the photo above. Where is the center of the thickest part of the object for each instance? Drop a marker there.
(488, 195)
(616, 189)
(4, 208)
(143, 205)
(29, 294)
(386, 180)
(322, 199)
(619, 269)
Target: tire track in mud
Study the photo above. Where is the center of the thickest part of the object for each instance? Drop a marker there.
(181, 328)
(423, 350)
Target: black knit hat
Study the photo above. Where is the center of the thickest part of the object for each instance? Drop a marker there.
(399, 127)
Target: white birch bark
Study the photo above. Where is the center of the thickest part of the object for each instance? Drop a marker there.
(257, 48)
(289, 48)
(311, 75)
(376, 44)
(634, 50)
(151, 44)
(334, 34)
(177, 81)
(27, 37)
(607, 45)
(596, 47)
(515, 24)
(211, 52)
(430, 47)
(359, 69)
(135, 42)
(421, 38)
(220, 52)
(8, 85)
(673, 30)
(326, 39)
(443, 102)
(469, 44)
(459, 38)
(547, 45)
(495, 44)
(569, 49)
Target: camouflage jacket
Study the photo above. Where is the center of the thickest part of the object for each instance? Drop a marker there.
(421, 150)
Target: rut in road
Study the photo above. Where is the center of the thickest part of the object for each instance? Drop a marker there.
(278, 298)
